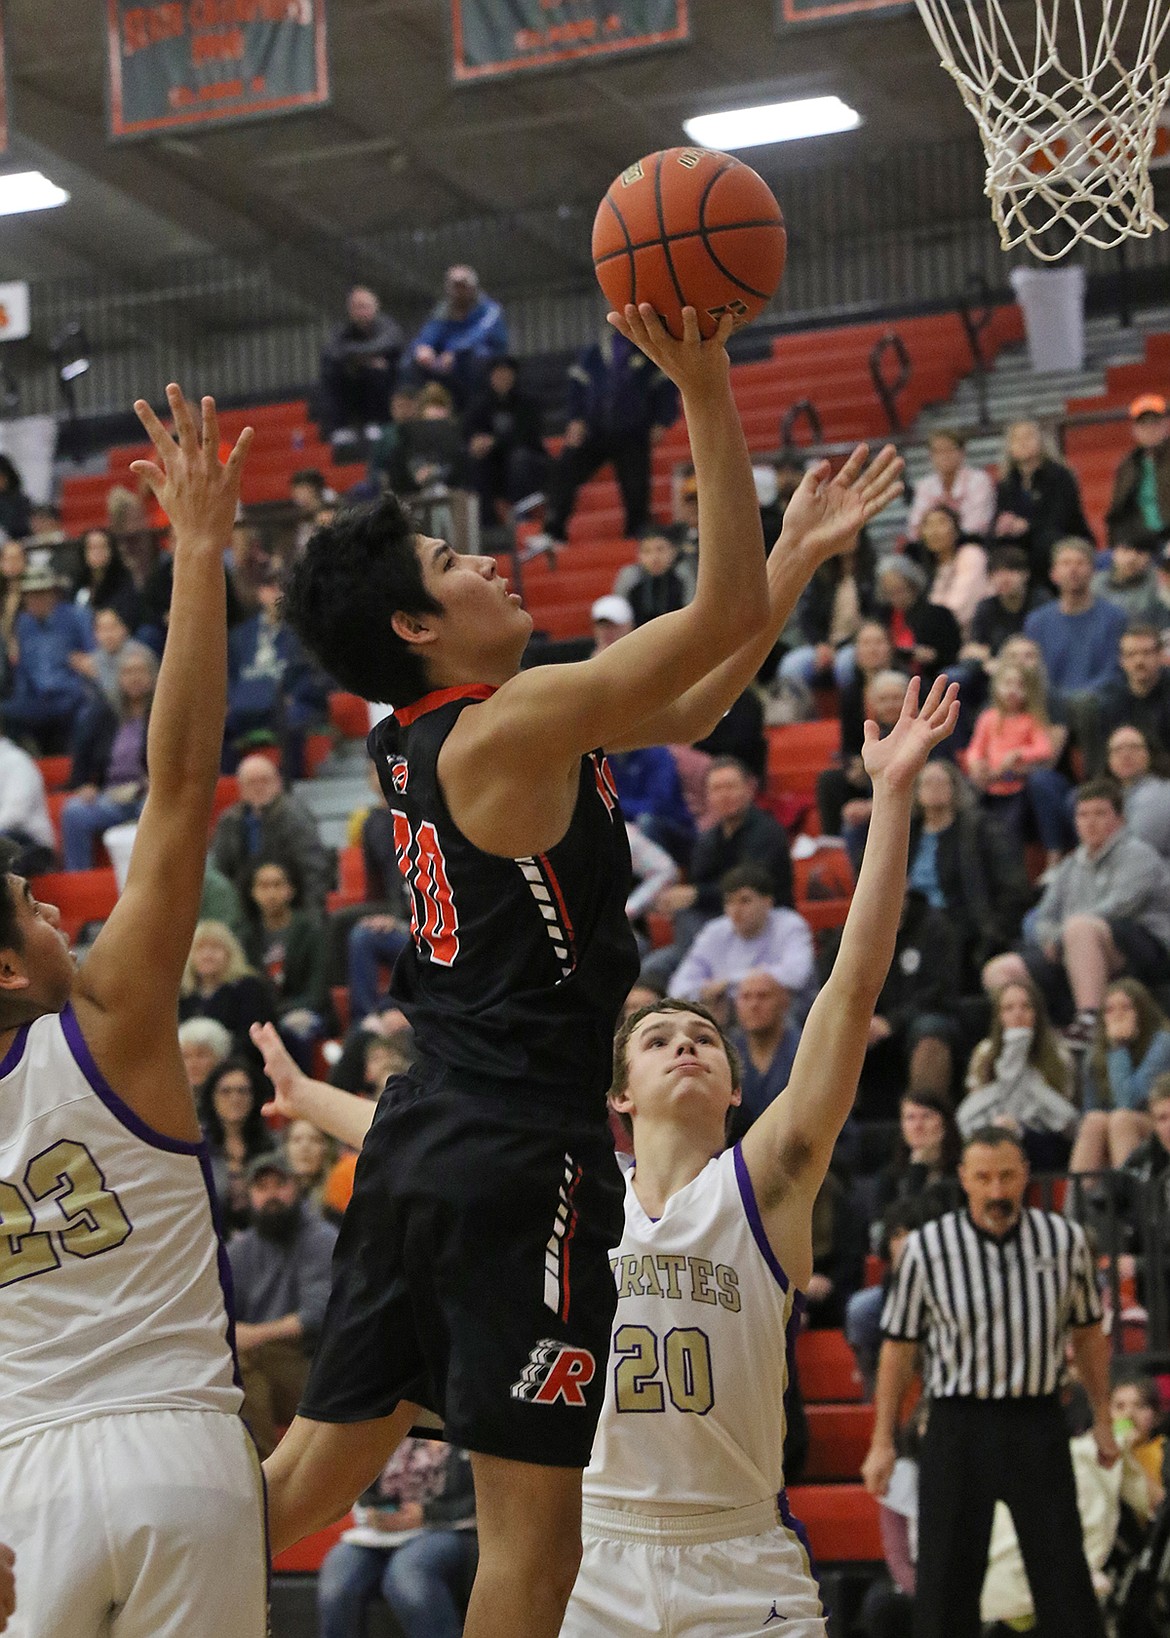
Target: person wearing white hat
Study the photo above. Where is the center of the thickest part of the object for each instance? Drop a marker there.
(611, 617)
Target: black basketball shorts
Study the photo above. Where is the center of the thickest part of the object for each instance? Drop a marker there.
(472, 1273)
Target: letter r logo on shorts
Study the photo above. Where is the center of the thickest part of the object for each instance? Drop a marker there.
(555, 1370)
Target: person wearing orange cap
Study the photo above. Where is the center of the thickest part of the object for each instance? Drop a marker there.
(1141, 485)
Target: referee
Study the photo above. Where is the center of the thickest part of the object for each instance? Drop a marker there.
(991, 1293)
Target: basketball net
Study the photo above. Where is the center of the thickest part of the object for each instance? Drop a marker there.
(1068, 123)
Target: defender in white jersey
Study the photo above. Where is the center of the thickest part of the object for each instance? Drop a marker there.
(129, 1489)
(686, 1528)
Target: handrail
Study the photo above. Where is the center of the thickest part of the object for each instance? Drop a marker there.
(803, 409)
(975, 314)
(888, 390)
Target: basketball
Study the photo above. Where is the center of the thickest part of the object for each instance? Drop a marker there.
(690, 227)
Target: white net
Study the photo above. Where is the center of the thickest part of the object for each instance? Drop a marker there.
(1068, 101)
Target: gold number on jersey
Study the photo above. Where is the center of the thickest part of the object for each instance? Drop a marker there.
(68, 1175)
(686, 1364)
(23, 1252)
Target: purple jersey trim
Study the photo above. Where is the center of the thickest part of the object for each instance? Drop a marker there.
(223, 1264)
(755, 1222)
(791, 1522)
(15, 1052)
(121, 1111)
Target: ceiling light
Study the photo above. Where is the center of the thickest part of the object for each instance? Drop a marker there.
(28, 190)
(772, 122)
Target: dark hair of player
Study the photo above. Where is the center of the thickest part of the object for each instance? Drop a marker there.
(356, 574)
(11, 937)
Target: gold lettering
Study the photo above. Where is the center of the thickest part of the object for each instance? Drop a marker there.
(671, 1264)
(701, 1275)
(728, 1282)
(649, 1278)
(629, 1272)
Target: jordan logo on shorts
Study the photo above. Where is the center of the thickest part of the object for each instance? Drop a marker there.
(555, 1370)
(774, 1614)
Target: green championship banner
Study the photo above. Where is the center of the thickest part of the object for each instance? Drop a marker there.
(789, 12)
(492, 38)
(179, 65)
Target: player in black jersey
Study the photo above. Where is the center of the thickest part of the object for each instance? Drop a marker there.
(471, 1279)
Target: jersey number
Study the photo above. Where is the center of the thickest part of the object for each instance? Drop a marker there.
(67, 1175)
(686, 1360)
(433, 918)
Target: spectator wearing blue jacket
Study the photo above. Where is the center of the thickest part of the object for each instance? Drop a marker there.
(651, 797)
(619, 404)
(458, 342)
(273, 686)
(49, 637)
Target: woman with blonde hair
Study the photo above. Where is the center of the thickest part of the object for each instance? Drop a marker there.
(1021, 1076)
(1131, 1049)
(218, 983)
(1037, 500)
(312, 1154)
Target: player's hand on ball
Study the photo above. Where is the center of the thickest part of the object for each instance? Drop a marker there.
(7, 1585)
(692, 363)
(198, 493)
(826, 514)
(281, 1070)
(897, 760)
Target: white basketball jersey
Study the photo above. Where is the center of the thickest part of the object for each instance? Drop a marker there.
(111, 1272)
(694, 1404)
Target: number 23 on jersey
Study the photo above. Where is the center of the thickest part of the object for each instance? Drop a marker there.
(65, 1185)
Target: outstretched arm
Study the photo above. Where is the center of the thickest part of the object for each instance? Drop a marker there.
(127, 992)
(295, 1096)
(788, 1149)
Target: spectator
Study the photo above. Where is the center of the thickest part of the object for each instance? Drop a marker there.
(1037, 500)
(1162, 575)
(220, 901)
(414, 1544)
(912, 1033)
(872, 653)
(378, 937)
(1079, 633)
(358, 366)
(766, 1036)
(1130, 582)
(1130, 1050)
(203, 1046)
(651, 798)
(1141, 485)
(961, 864)
(229, 1105)
(845, 794)
(863, 1311)
(653, 871)
(503, 432)
(619, 404)
(924, 1169)
(654, 585)
(15, 507)
(829, 615)
(104, 581)
(611, 618)
(457, 344)
(280, 1275)
(1142, 699)
(1002, 614)
(49, 637)
(751, 935)
(24, 812)
(1146, 799)
(108, 776)
(273, 686)
(218, 983)
(13, 568)
(967, 490)
(740, 833)
(955, 565)
(308, 493)
(1010, 760)
(287, 944)
(1144, 1167)
(1105, 911)
(838, 1246)
(739, 733)
(428, 454)
(1136, 1400)
(270, 821)
(1022, 1076)
(925, 636)
(311, 1156)
(111, 635)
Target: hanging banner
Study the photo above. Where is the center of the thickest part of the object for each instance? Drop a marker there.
(492, 38)
(179, 65)
(789, 12)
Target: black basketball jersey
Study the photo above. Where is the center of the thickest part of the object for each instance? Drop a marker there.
(517, 968)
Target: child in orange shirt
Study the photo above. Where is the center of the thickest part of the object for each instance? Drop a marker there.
(1012, 742)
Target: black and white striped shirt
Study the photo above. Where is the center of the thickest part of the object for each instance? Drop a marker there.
(992, 1312)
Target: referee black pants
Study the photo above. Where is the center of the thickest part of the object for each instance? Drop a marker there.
(977, 1452)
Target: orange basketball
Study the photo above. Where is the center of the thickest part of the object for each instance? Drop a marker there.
(690, 227)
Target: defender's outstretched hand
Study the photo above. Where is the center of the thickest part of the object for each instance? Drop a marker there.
(286, 1076)
(691, 363)
(897, 760)
(826, 514)
(196, 491)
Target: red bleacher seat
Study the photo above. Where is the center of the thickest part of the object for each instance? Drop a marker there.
(827, 1368)
(227, 791)
(841, 1521)
(80, 896)
(351, 880)
(350, 715)
(308, 1555)
(839, 1437)
(340, 995)
(55, 771)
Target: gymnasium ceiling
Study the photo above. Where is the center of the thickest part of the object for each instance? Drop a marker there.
(402, 148)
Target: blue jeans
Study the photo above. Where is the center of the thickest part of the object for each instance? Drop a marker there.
(82, 822)
(863, 1331)
(799, 665)
(425, 1582)
(365, 950)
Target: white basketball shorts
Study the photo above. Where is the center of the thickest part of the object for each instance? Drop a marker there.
(139, 1525)
(643, 1577)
